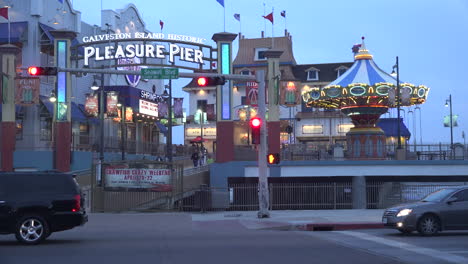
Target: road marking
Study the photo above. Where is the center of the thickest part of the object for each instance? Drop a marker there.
(420, 250)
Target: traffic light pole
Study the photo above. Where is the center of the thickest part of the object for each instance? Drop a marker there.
(263, 194)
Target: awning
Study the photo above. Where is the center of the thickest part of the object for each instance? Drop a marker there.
(47, 30)
(16, 33)
(390, 127)
(162, 128)
(77, 114)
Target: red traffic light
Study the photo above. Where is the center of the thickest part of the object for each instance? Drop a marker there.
(273, 158)
(210, 81)
(35, 71)
(202, 81)
(255, 122)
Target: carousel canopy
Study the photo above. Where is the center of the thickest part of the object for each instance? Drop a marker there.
(364, 85)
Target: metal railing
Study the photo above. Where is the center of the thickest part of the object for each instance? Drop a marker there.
(306, 196)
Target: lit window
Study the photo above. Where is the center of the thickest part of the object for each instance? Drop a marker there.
(312, 75)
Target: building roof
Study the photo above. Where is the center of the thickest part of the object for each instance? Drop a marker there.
(390, 127)
(327, 71)
(246, 54)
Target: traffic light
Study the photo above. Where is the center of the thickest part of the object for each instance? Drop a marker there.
(273, 158)
(210, 81)
(36, 71)
(255, 124)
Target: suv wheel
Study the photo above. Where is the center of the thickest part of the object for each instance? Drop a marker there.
(428, 225)
(31, 229)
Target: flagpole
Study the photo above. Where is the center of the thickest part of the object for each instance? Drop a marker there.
(9, 29)
(264, 22)
(224, 7)
(272, 32)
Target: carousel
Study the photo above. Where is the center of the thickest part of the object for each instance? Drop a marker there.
(365, 92)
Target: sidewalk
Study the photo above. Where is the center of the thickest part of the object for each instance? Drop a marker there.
(307, 220)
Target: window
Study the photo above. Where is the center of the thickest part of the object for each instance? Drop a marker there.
(243, 100)
(201, 104)
(260, 54)
(19, 128)
(45, 128)
(312, 129)
(84, 133)
(462, 196)
(245, 72)
(340, 71)
(312, 75)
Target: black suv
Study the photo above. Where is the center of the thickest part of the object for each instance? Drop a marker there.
(35, 204)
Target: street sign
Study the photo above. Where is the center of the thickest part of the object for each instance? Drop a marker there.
(160, 73)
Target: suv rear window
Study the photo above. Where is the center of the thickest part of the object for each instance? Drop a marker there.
(39, 183)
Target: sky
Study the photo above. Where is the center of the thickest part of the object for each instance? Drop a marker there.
(429, 36)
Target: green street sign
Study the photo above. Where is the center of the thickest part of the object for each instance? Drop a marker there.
(160, 73)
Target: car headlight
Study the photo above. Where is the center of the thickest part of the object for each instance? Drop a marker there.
(404, 212)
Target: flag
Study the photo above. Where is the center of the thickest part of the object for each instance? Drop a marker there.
(161, 24)
(178, 110)
(283, 13)
(269, 17)
(221, 2)
(447, 121)
(4, 12)
(237, 17)
(61, 1)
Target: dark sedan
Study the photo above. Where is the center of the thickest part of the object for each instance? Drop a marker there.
(445, 209)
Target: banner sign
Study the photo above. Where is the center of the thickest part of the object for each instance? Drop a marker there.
(153, 179)
(27, 90)
(111, 106)
(178, 110)
(92, 105)
(148, 108)
(289, 94)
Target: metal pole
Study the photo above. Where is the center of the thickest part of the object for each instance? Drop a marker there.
(123, 130)
(398, 104)
(169, 124)
(101, 119)
(451, 126)
(263, 196)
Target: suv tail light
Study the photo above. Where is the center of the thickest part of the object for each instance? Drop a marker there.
(77, 205)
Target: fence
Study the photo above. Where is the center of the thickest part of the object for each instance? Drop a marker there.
(306, 196)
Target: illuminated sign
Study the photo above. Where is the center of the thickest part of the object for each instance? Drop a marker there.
(144, 36)
(312, 129)
(148, 108)
(142, 50)
(208, 132)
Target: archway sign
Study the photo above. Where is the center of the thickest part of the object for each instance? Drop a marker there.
(133, 51)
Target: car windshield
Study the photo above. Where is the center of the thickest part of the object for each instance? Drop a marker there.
(437, 196)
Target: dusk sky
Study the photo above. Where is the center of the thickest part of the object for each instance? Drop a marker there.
(429, 36)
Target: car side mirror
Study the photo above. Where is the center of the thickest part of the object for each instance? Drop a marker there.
(452, 199)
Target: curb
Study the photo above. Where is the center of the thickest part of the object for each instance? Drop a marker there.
(339, 226)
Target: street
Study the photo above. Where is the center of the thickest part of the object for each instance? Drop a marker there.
(175, 238)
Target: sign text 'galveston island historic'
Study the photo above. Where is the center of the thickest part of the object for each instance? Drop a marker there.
(157, 51)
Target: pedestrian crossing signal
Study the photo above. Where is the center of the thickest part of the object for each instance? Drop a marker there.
(273, 158)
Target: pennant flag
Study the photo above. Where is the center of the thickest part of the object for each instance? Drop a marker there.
(237, 17)
(269, 17)
(221, 2)
(161, 24)
(4, 12)
(283, 13)
(61, 1)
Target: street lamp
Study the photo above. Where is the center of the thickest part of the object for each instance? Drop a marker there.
(95, 87)
(397, 73)
(448, 102)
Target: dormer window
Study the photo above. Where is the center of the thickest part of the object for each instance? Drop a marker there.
(340, 71)
(312, 75)
(260, 54)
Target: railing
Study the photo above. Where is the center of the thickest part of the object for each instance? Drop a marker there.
(306, 196)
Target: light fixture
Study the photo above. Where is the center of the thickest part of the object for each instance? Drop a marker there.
(119, 105)
(52, 97)
(446, 103)
(54, 21)
(165, 95)
(94, 87)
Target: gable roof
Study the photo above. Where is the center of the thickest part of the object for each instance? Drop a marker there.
(327, 71)
(246, 54)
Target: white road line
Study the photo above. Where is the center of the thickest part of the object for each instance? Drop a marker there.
(405, 246)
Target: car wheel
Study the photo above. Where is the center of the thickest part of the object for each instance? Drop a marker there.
(428, 225)
(31, 229)
(405, 231)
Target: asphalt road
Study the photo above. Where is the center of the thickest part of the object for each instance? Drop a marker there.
(173, 238)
